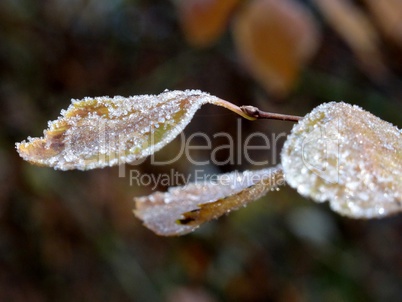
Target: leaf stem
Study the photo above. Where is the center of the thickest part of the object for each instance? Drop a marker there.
(253, 113)
(259, 114)
(234, 108)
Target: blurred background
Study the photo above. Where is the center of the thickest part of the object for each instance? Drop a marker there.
(71, 236)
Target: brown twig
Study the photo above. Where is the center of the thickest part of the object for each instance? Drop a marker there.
(258, 114)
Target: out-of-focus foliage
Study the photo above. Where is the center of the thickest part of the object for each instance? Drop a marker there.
(388, 15)
(356, 30)
(71, 236)
(204, 21)
(276, 39)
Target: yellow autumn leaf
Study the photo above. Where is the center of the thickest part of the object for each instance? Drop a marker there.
(183, 209)
(275, 39)
(204, 21)
(102, 131)
(347, 156)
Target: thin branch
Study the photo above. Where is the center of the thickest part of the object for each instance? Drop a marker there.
(258, 114)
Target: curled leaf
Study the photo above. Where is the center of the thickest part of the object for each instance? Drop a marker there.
(275, 40)
(182, 209)
(347, 156)
(102, 131)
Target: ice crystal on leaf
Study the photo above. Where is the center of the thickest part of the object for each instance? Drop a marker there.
(337, 153)
(102, 131)
(347, 156)
(183, 209)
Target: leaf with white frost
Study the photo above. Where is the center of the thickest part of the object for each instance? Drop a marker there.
(347, 156)
(102, 131)
(182, 209)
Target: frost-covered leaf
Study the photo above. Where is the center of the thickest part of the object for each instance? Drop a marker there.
(204, 21)
(275, 39)
(183, 209)
(102, 131)
(347, 156)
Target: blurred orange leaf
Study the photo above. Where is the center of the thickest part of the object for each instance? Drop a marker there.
(388, 15)
(204, 21)
(275, 39)
(357, 31)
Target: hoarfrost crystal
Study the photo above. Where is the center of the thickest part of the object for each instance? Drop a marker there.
(102, 131)
(183, 209)
(347, 156)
